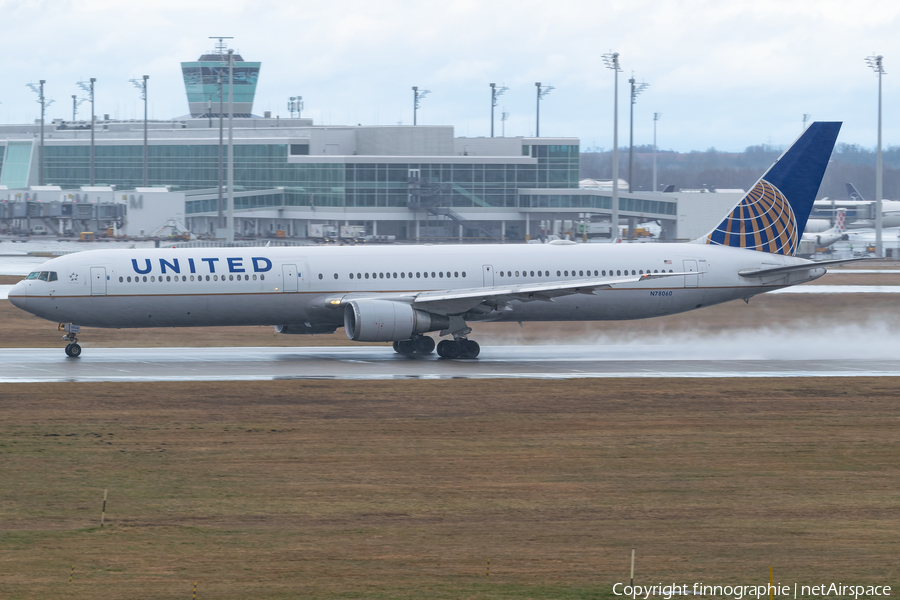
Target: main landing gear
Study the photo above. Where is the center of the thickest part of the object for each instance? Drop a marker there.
(73, 350)
(459, 348)
(421, 344)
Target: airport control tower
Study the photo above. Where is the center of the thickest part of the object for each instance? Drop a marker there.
(201, 81)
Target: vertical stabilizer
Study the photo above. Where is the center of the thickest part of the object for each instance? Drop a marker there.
(772, 216)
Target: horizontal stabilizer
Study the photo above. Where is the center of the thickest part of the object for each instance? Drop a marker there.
(792, 268)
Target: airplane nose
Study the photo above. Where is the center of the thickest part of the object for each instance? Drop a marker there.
(18, 296)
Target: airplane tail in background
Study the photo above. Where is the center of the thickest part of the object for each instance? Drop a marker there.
(853, 192)
(840, 220)
(772, 216)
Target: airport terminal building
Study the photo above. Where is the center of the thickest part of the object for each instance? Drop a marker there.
(412, 182)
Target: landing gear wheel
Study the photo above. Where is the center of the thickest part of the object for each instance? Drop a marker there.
(469, 349)
(405, 347)
(73, 350)
(448, 349)
(424, 344)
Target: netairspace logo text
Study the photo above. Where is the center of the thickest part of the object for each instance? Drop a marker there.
(667, 591)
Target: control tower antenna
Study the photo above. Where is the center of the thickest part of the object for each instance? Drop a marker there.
(221, 46)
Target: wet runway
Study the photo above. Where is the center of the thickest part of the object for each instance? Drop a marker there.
(544, 362)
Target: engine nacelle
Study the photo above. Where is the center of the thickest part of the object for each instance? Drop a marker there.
(304, 329)
(387, 321)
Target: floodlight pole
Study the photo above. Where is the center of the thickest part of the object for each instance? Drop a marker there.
(74, 106)
(541, 92)
(221, 222)
(634, 94)
(612, 62)
(495, 91)
(230, 216)
(43, 107)
(493, 104)
(656, 117)
(89, 88)
(142, 85)
(39, 90)
(415, 102)
(876, 62)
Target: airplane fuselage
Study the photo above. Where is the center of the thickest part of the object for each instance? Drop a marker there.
(308, 285)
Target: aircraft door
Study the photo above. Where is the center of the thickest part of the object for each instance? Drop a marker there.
(290, 278)
(690, 266)
(98, 281)
(488, 273)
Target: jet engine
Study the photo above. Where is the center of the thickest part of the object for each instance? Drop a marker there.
(386, 321)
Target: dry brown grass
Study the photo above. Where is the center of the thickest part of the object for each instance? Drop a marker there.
(404, 490)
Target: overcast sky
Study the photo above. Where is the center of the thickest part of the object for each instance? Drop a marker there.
(722, 73)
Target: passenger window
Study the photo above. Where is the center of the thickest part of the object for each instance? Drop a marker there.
(618, 272)
(395, 276)
(145, 279)
(320, 276)
(432, 274)
(441, 273)
(557, 273)
(402, 275)
(351, 275)
(335, 275)
(424, 274)
(656, 270)
(501, 274)
(455, 274)
(532, 273)
(381, 275)
(254, 278)
(153, 278)
(517, 273)
(129, 280)
(121, 279)
(567, 273)
(464, 273)
(632, 272)
(595, 272)
(359, 275)
(581, 273)
(262, 276)
(215, 277)
(417, 274)
(367, 275)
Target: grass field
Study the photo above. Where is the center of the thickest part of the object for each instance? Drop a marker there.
(295, 489)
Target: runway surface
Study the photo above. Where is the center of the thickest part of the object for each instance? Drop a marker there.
(544, 362)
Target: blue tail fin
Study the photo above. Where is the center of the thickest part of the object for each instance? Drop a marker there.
(772, 216)
(853, 192)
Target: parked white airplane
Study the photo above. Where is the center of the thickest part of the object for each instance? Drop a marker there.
(400, 293)
(823, 239)
(860, 212)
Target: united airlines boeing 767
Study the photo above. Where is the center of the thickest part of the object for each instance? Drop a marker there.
(400, 293)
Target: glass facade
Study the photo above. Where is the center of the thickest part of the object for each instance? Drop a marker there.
(266, 166)
(16, 164)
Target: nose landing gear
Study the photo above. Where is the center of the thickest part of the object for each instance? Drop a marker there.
(73, 350)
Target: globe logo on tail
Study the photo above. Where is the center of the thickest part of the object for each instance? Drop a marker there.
(762, 221)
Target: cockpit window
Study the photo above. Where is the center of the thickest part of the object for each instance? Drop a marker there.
(52, 276)
(44, 275)
(33, 275)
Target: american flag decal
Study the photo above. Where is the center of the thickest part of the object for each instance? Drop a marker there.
(667, 262)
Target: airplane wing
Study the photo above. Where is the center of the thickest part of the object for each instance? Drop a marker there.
(458, 301)
(804, 267)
